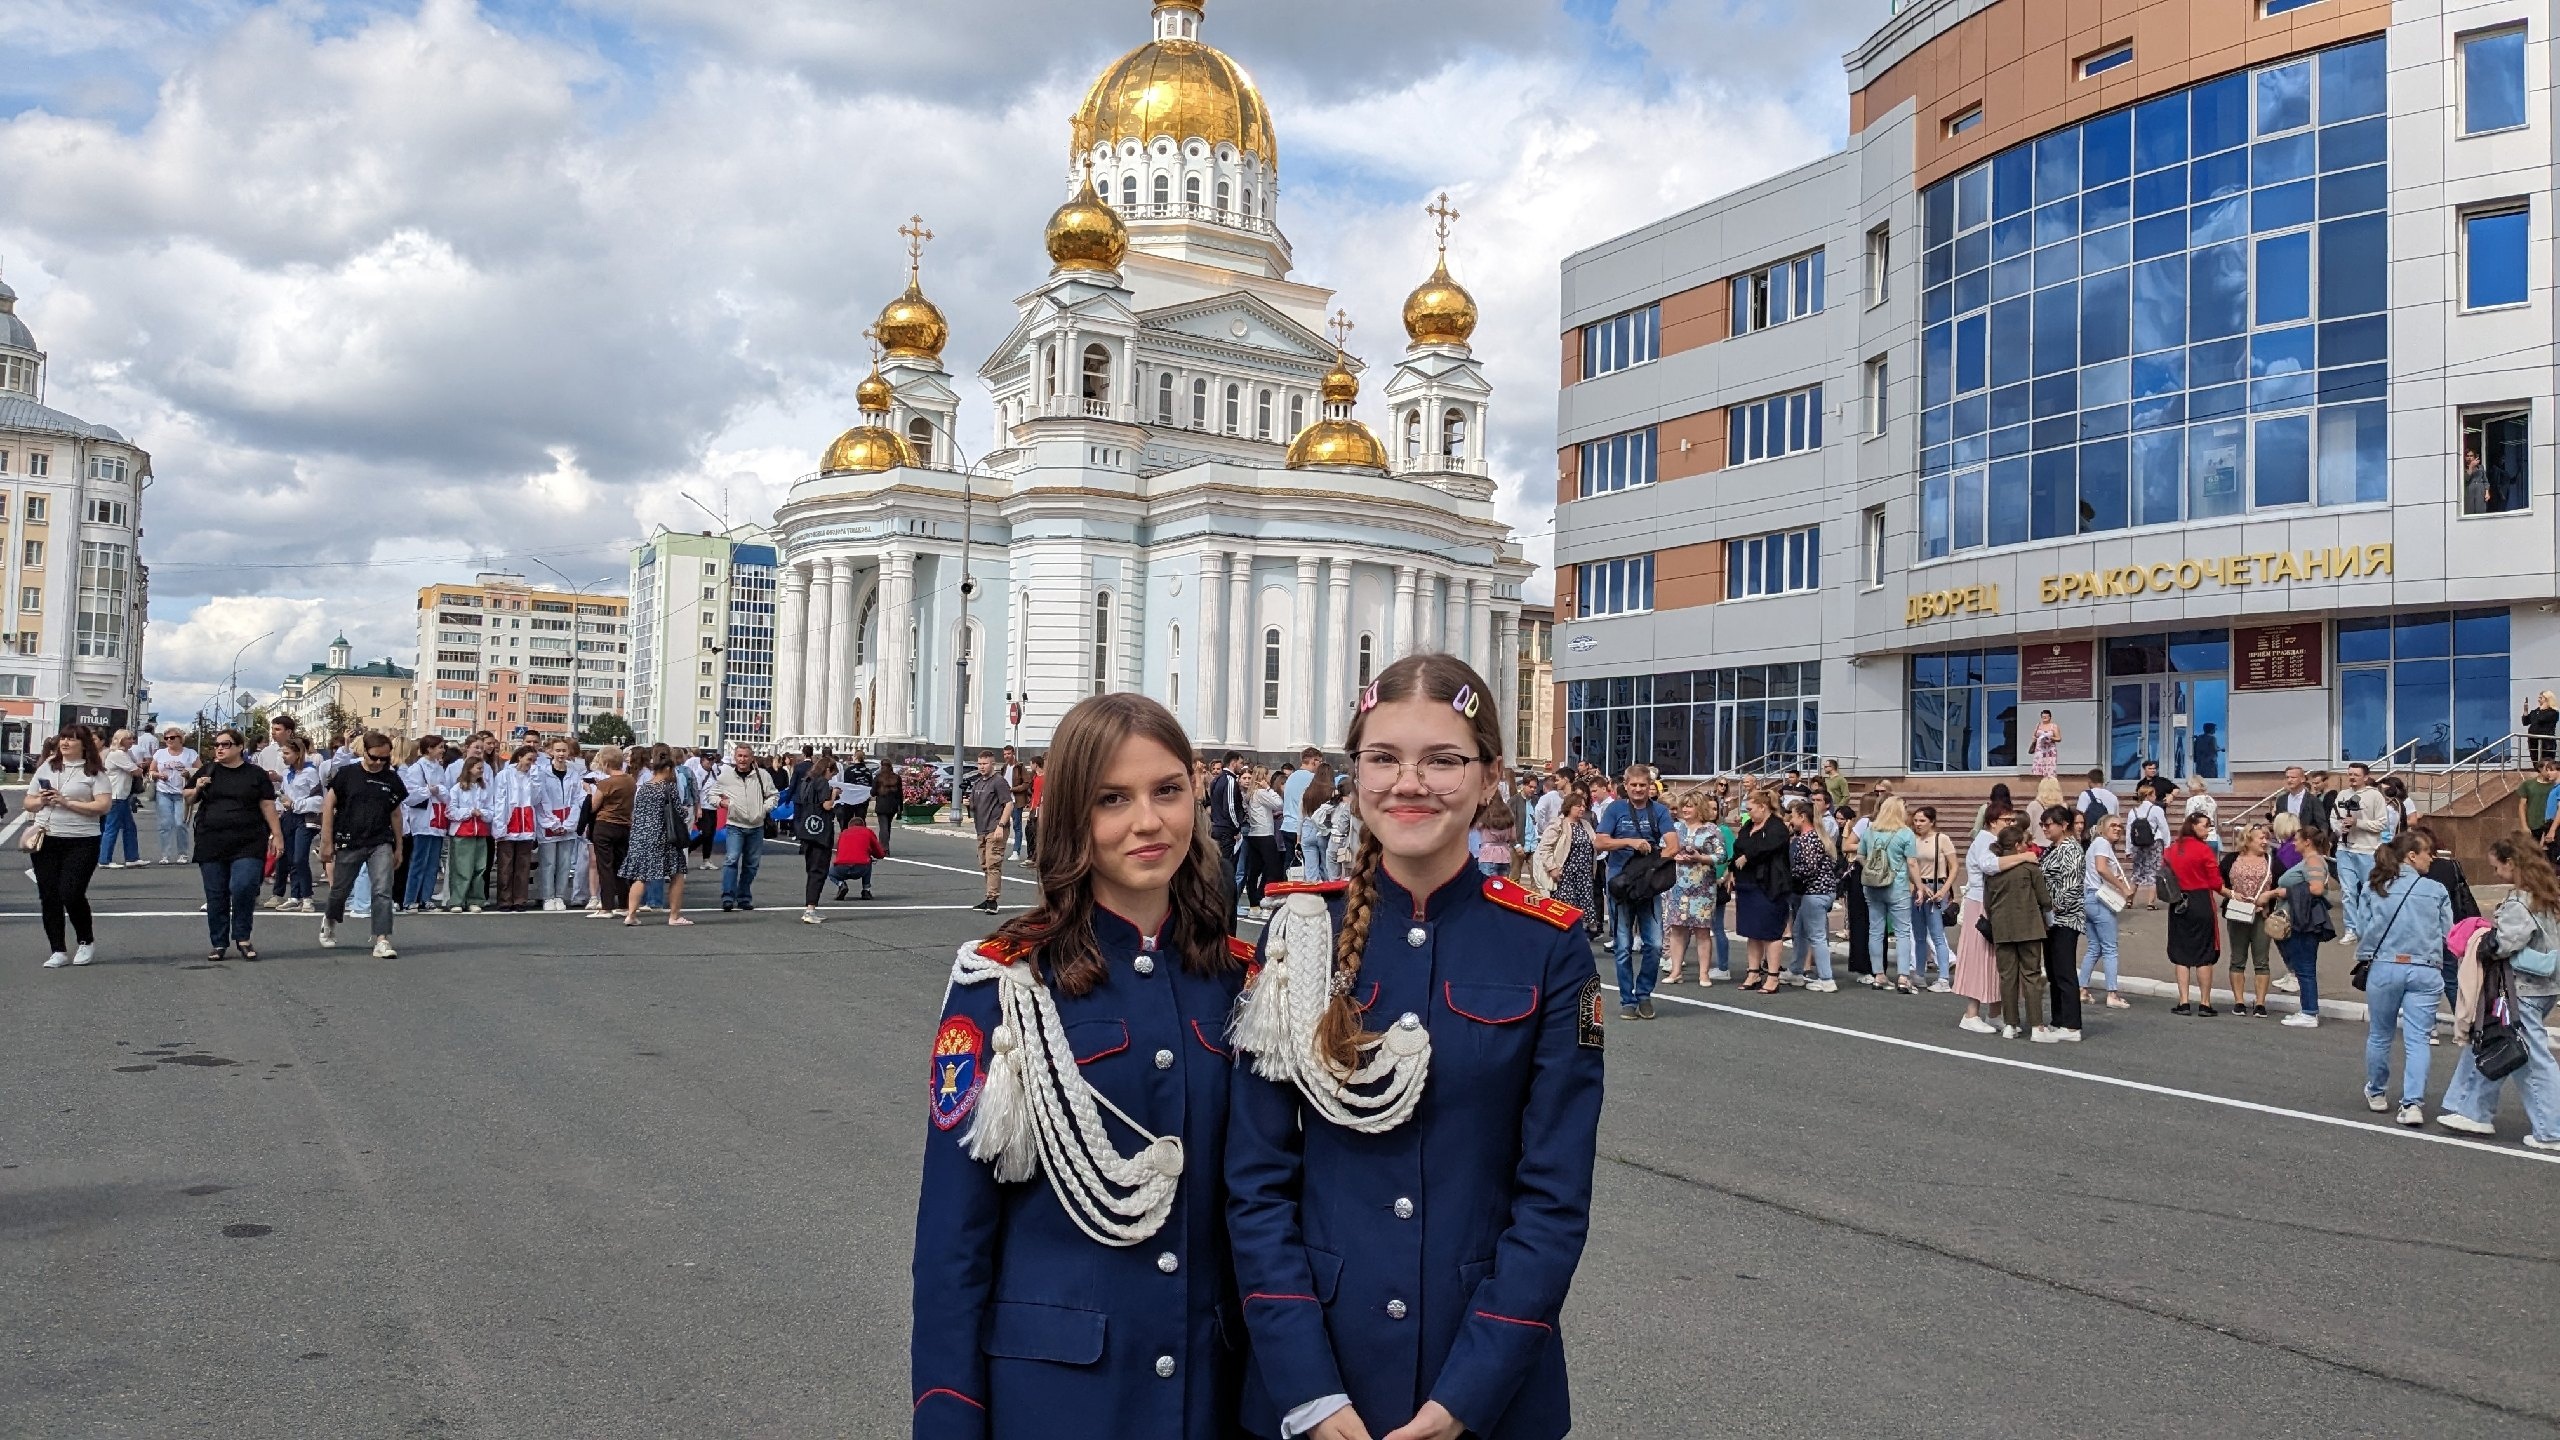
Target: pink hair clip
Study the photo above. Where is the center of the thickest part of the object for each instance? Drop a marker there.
(1466, 702)
(1369, 698)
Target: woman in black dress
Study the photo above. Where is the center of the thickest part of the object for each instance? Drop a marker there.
(1762, 896)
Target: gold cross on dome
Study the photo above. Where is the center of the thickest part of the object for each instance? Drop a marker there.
(1341, 327)
(916, 236)
(872, 334)
(1443, 215)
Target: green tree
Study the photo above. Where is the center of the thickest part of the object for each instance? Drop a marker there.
(606, 729)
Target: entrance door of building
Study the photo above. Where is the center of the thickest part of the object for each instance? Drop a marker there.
(2178, 722)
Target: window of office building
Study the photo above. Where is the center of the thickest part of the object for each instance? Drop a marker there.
(2166, 313)
(1879, 377)
(1777, 564)
(1779, 425)
(1750, 720)
(1788, 290)
(1964, 711)
(2496, 478)
(1614, 587)
(2494, 243)
(1618, 462)
(1611, 345)
(2428, 688)
(2493, 80)
(1879, 265)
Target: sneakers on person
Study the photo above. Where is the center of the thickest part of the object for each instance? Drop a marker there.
(305, 906)
(2299, 1021)
(728, 905)
(2413, 1113)
(2457, 1121)
(56, 960)
(1719, 975)
(1644, 1008)
(555, 905)
(87, 953)
(866, 892)
(840, 892)
(2348, 939)
(810, 917)
(2375, 1103)
(1941, 987)
(328, 936)
(1628, 1012)
(2118, 1002)
(2536, 1142)
(1821, 987)
(2044, 1035)
(2288, 985)
(1977, 1025)
(2008, 1032)
(272, 902)
(382, 948)
(2067, 1036)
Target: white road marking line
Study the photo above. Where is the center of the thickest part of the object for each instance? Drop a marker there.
(955, 869)
(2397, 1132)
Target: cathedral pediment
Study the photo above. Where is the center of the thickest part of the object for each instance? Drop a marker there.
(1239, 320)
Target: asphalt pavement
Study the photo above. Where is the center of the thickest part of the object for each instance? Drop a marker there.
(543, 1176)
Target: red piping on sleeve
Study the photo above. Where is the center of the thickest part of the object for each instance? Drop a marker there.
(1309, 1299)
(954, 1394)
(1448, 992)
(1507, 1320)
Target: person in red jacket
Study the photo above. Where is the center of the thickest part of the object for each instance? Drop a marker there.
(857, 849)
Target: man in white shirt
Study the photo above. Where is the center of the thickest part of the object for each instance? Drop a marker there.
(2096, 793)
(270, 756)
(2359, 816)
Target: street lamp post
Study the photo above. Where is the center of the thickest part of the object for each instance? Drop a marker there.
(968, 590)
(231, 693)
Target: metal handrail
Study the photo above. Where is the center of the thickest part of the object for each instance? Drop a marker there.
(2390, 763)
(2468, 775)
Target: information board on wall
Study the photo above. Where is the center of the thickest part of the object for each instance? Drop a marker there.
(2053, 671)
(2276, 657)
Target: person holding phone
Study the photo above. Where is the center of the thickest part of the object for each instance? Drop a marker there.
(67, 802)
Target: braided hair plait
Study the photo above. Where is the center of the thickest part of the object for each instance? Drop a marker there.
(1343, 1032)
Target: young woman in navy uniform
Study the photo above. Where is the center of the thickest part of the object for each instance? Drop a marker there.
(1416, 1109)
(1071, 1269)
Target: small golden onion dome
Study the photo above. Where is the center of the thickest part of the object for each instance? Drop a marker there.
(911, 327)
(1339, 386)
(1440, 311)
(1086, 234)
(1338, 445)
(874, 396)
(1179, 88)
(867, 450)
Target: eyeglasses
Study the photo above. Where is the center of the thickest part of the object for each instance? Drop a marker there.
(1441, 772)
(226, 744)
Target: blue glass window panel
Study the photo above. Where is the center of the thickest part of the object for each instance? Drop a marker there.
(2364, 640)
(2053, 492)
(2282, 207)
(2104, 421)
(2160, 190)
(1938, 215)
(2282, 392)
(1935, 461)
(1968, 414)
(1972, 364)
(2493, 258)
(2057, 394)
(2493, 81)
(2106, 148)
(1937, 365)
(2272, 162)
(2347, 147)
(2006, 509)
(2353, 192)
(2013, 277)
(2057, 263)
(2009, 406)
(2479, 705)
(1937, 303)
(2161, 410)
(2357, 382)
(2217, 177)
(2162, 374)
(1795, 423)
(1937, 520)
(2284, 279)
(2011, 325)
(1937, 426)
(2422, 710)
(2282, 461)
(2060, 430)
(1970, 509)
(2105, 499)
(2058, 221)
(1970, 450)
(1973, 291)
(2106, 249)
(1973, 251)
(2160, 304)
(2105, 329)
(2222, 220)
(2222, 362)
(2214, 454)
(2159, 476)
(2012, 183)
(2220, 114)
(2218, 291)
(2280, 352)
(1938, 265)
(2057, 331)
(2354, 456)
(2424, 635)
(2159, 133)
(2108, 205)
(2354, 342)
(2057, 165)
(2480, 632)
(2011, 441)
(2160, 235)
(2354, 267)
(1928, 724)
(2107, 384)
(2364, 712)
(2284, 97)
(1973, 198)
(1999, 667)
(2013, 236)
(2217, 402)
(2351, 82)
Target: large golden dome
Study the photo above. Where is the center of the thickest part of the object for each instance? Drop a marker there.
(867, 450)
(1440, 311)
(1178, 88)
(1086, 234)
(911, 327)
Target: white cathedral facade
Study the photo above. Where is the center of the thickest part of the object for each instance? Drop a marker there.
(1179, 500)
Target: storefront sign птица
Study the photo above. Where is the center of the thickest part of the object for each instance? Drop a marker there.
(2264, 567)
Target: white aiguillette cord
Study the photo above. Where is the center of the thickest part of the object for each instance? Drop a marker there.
(1276, 1022)
(1037, 1113)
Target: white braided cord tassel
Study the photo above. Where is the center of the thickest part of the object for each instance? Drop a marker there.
(1276, 1023)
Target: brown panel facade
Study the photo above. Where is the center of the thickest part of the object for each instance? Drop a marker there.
(1696, 317)
(2019, 60)
(1573, 356)
(1566, 591)
(1704, 435)
(1568, 474)
(1687, 576)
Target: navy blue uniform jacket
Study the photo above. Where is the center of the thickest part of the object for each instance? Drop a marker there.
(1431, 1262)
(1024, 1326)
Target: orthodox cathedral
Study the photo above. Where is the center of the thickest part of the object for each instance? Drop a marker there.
(1180, 499)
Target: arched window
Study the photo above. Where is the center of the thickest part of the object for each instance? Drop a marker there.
(1235, 409)
(1248, 202)
(1191, 190)
(1199, 404)
(1102, 190)
(862, 631)
(1128, 192)
(1164, 189)
(1101, 641)
(1173, 670)
(1164, 398)
(1413, 434)
(1368, 658)
(1049, 371)
(1453, 433)
(1097, 372)
(1226, 194)
(1297, 415)
(1262, 416)
(920, 435)
(1271, 673)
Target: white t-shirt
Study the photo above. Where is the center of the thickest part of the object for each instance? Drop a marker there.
(2149, 810)
(73, 784)
(2100, 849)
(2105, 797)
(169, 769)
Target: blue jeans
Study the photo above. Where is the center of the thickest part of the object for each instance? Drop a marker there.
(1638, 934)
(1319, 865)
(175, 843)
(2355, 872)
(119, 821)
(231, 896)
(1813, 935)
(738, 876)
(1894, 900)
(1715, 927)
(2476, 1095)
(2403, 995)
(2101, 954)
(2302, 956)
(1929, 939)
(1021, 816)
(426, 866)
(293, 867)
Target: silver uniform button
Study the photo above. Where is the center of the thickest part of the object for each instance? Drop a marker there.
(1395, 1309)
(1164, 1059)
(1416, 936)
(1404, 1208)
(1167, 1263)
(1410, 1021)
(1164, 1367)
(1144, 965)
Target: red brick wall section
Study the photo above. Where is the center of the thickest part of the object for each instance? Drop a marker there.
(1697, 317)
(1703, 433)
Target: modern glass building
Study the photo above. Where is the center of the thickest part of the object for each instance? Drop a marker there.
(2185, 374)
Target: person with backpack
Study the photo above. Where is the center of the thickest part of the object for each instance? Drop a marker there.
(1637, 828)
(813, 825)
(2146, 834)
(1884, 870)
(2095, 804)
(2523, 940)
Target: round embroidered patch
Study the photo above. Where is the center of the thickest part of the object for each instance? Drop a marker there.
(959, 1070)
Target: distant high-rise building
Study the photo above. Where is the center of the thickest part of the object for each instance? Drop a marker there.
(501, 655)
(702, 611)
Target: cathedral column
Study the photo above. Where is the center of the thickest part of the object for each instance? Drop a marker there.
(818, 657)
(1453, 615)
(1244, 653)
(1480, 625)
(1302, 656)
(840, 647)
(1506, 659)
(1341, 666)
(1207, 694)
(1404, 612)
(897, 586)
(790, 647)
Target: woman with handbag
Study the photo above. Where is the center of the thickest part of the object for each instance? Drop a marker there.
(2306, 895)
(1933, 871)
(1813, 867)
(2524, 938)
(2195, 917)
(1763, 893)
(67, 802)
(2106, 889)
(1569, 854)
(2248, 875)
(2400, 967)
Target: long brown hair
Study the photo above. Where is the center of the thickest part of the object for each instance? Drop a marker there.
(2387, 861)
(1342, 1034)
(87, 740)
(2533, 873)
(1059, 930)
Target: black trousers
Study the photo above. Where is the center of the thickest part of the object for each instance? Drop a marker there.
(814, 859)
(2062, 977)
(888, 819)
(1230, 856)
(1859, 919)
(1265, 863)
(63, 868)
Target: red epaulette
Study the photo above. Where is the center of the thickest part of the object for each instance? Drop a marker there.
(1511, 897)
(1003, 952)
(1243, 950)
(1308, 887)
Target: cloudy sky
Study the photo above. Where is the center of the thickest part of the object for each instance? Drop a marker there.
(396, 291)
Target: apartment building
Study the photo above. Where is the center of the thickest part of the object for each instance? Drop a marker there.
(702, 630)
(339, 695)
(502, 655)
